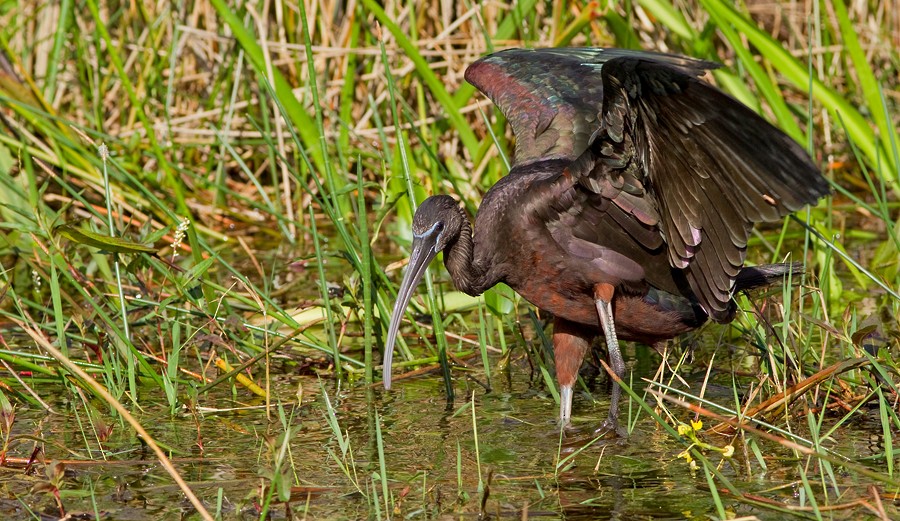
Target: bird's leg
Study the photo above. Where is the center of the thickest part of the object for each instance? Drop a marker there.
(603, 297)
(570, 344)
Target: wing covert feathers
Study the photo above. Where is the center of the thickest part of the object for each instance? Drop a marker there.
(671, 151)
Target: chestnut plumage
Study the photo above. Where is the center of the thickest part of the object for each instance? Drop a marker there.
(627, 210)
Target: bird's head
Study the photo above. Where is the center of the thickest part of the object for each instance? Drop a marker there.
(436, 225)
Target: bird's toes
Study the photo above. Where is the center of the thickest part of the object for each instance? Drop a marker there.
(577, 439)
(611, 427)
(565, 429)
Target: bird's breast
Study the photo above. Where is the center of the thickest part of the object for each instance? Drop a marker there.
(551, 284)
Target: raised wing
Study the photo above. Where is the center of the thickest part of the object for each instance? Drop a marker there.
(678, 156)
(553, 97)
(713, 167)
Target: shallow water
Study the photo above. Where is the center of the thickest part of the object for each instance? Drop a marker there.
(431, 457)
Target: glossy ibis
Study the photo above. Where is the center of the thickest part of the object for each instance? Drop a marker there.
(627, 210)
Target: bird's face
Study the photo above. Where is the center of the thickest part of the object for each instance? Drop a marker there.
(438, 218)
(436, 225)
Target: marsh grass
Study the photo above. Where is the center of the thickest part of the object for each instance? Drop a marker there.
(274, 159)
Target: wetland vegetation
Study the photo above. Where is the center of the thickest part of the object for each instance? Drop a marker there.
(205, 211)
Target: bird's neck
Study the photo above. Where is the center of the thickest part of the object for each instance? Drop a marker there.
(468, 275)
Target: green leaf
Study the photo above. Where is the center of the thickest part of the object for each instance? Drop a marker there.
(671, 17)
(499, 299)
(797, 73)
(103, 242)
(767, 86)
(871, 90)
(200, 269)
(6, 160)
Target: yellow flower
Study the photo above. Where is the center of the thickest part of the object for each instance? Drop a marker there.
(697, 425)
(683, 429)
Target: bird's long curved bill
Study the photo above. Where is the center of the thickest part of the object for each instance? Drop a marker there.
(423, 251)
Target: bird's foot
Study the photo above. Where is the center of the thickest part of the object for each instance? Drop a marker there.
(565, 429)
(611, 425)
(575, 439)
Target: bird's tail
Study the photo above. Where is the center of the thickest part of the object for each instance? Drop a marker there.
(757, 276)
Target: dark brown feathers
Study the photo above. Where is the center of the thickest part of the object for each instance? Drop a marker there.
(687, 168)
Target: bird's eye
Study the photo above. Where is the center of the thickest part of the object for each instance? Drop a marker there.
(439, 228)
(436, 227)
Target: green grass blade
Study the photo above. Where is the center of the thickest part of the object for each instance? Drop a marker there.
(798, 74)
(305, 125)
(764, 83)
(871, 90)
(434, 84)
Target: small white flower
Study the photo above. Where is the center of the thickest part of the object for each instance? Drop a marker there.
(180, 231)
